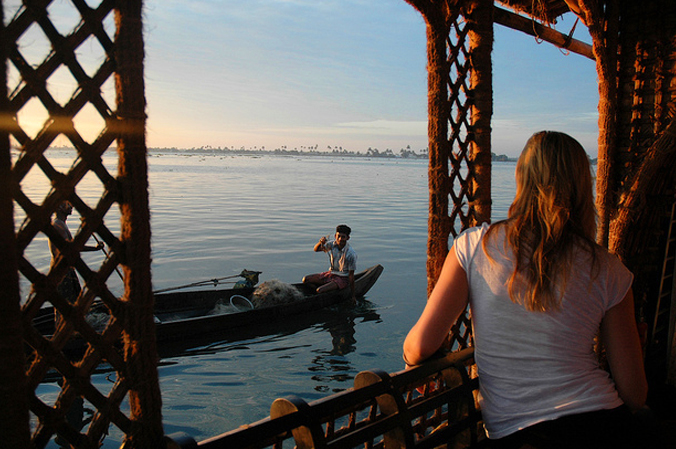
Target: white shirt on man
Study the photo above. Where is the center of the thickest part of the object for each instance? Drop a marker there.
(342, 260)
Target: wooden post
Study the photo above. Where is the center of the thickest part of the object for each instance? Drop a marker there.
(140, 347)
(439, 147)
(671, 356)
(535, 29)
(603, 28)
(480, 22)
(436, 15)
(14, 418)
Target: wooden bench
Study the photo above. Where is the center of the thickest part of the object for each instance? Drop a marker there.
(425, 407)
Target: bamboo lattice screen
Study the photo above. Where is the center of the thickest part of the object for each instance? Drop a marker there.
(84, 78)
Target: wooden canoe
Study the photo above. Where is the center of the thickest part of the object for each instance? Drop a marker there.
(189, 314)
(186, 314)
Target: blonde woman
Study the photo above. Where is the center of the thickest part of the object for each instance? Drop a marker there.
(540, 289)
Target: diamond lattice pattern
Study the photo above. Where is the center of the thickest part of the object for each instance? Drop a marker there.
(459, 137)
(61, 82)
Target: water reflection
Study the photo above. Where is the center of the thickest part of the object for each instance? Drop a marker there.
(339, 320)
(342, 336)
(332, 366)
(327, 367)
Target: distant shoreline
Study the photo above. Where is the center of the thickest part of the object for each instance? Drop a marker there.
(370, 153)
(387, 154)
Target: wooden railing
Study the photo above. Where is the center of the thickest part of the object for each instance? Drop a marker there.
(429, 406)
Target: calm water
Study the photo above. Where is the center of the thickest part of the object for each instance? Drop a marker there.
(213, 216)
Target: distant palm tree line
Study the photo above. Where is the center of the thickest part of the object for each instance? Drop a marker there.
(406, 153)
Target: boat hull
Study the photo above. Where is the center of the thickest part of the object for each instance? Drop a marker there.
(186, 315)
(200, 324)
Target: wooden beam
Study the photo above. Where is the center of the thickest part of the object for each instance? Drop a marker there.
(536, 29)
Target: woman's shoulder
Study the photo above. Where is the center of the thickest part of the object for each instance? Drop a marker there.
(475, 230)
(605, 266)
(475, 234)
(610, 259)
(471, 237)
(468, 243)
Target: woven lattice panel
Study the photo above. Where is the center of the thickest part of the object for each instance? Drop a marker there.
(460, 136)
(61, 84)
(459, 125)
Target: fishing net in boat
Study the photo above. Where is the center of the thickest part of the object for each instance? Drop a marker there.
(98, 320)
(232, 305)
(274, 292)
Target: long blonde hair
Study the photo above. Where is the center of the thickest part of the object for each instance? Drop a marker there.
(552, 214)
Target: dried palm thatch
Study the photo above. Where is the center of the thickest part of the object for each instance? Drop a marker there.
(656, 174)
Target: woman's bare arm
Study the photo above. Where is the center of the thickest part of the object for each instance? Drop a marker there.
(447, 301)
(623, 350)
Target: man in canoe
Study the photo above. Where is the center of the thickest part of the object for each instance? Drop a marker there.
(343, 259)
(69, 287)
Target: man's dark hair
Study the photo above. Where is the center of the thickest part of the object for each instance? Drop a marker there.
(343, 229)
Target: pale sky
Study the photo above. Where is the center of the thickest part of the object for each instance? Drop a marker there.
(338, 73)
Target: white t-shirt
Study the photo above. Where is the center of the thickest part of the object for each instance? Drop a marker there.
(538, 366)
(342, 260)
